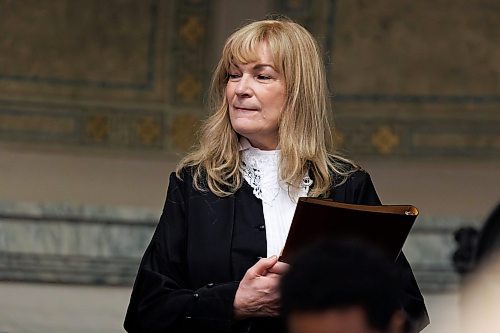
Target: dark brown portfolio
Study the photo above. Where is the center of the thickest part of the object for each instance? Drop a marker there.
(385, 227)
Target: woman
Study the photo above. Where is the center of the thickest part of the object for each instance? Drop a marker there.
(211, 265)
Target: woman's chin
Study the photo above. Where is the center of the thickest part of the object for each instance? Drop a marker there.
(245, 128)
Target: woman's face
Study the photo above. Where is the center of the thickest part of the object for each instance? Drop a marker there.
(256, 95)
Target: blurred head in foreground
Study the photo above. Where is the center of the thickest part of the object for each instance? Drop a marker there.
(480, 297)
(341, 288)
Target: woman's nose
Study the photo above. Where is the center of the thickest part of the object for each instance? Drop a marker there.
(243, 87)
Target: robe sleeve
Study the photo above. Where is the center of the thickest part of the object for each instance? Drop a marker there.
(359, 189)
(162, 299)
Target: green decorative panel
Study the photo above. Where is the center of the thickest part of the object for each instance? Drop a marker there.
(418, 129)
(79, 49)
(117, 74)
(443, 47)
(190, 50)
(123, 128)
(410, 78)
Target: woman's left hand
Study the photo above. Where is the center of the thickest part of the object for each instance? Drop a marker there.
(258, 292)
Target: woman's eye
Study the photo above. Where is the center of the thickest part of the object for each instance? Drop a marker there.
(263, 77)
(233, 76)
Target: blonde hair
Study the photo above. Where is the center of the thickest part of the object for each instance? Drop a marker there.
(305, 136)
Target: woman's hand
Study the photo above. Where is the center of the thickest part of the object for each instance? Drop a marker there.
(258, 292)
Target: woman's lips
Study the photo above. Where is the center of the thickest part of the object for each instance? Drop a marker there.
(237, 108)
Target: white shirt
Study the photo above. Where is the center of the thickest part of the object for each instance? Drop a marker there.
(261, 171)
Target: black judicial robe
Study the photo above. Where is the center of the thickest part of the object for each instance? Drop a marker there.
(203, 246)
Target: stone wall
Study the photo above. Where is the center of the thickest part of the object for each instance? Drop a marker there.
(103, 245)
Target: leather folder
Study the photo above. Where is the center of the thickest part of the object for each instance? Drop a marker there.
(385, 227)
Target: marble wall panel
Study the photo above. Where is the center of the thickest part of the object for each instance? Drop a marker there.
(72, 244)
(96, 244)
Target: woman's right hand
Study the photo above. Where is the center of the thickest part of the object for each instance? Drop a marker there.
(258, 291)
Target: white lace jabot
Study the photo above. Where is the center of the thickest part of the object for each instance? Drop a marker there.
(261, 172)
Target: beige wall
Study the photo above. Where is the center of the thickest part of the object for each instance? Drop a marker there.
(437, 187)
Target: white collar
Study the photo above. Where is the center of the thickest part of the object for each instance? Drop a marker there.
(261, 171)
